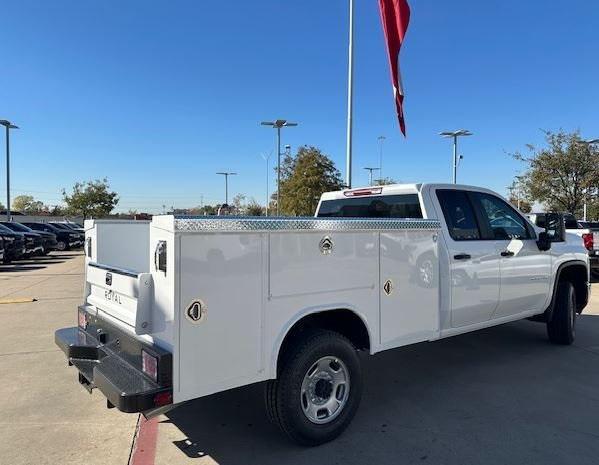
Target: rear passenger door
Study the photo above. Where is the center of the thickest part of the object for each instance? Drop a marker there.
(473, 261)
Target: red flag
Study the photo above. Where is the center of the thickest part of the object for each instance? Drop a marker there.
(395, 16)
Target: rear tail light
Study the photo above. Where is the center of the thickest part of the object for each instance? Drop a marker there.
(82, 319)
(149, 365)
(587, 239)
(163, 398)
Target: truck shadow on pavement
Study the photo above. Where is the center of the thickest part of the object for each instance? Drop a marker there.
(34, 263)
(496, 396)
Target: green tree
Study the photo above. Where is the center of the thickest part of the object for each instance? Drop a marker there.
(562, 174)
(253, 208)
(57, 210)
(304, 177)
(384, 181)
(27, 204)
(525, 205)
(593, 210)
(91, 199)
(517, 196)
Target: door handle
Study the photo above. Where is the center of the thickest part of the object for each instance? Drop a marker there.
(507, 253)
(462, 256)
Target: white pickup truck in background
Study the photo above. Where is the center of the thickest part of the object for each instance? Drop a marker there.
(587, 231)
(197, 305)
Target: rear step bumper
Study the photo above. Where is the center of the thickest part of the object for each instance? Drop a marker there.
(114, 366)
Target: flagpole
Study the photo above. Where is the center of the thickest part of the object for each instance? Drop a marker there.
(350, 96)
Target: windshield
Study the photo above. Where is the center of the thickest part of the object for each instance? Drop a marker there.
(16, 227)
(41, 227)
(388, 206)
(61, 226)
(4, 229)
(571, 222)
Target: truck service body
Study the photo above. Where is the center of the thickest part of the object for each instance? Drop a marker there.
(190, 306)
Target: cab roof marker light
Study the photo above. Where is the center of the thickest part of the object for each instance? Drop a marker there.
(362, 192)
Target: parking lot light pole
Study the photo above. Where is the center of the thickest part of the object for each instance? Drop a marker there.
(588, 144)
(370, 170)
(278, 124)
(8, 125)
(456, 158)
(226, 174)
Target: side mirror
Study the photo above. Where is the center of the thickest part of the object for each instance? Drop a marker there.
(544, 241)
(555, 227)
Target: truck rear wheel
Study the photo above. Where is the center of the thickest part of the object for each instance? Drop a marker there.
(561, 328)
(318, 389)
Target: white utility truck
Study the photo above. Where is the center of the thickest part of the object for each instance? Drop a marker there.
(199, 305)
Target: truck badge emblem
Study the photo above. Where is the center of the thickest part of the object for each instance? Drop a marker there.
(326, 245)
(109, 279)
(388, 287)
(196, 311)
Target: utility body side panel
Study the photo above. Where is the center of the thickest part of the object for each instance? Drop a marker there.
(254, 286)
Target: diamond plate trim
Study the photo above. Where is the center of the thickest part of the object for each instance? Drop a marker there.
(220, 224)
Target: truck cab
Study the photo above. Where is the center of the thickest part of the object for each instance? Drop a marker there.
(492, 262)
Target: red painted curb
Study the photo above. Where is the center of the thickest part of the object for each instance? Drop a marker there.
(144, 448)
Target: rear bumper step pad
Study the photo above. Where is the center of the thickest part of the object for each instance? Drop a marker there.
(124, 385)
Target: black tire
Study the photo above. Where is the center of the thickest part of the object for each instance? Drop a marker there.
(62, 246)
(561, 328)
(284, 395)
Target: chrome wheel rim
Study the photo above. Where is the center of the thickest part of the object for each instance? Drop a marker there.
(325, 390)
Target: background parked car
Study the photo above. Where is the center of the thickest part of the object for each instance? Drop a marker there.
(14, 244)
(587, 230)
(33, 242)
(75, 226)
(1, 250)
(48, 239)
(65, 239)
(77, 237)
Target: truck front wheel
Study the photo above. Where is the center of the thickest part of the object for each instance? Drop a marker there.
(561, 327)
(318, 389)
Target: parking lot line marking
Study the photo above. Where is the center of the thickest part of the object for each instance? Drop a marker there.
(18, 300)
(144, 445)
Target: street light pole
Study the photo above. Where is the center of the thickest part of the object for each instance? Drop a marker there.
(8, 125)
(370, 170)
(454, 135)
(278, 124)
(226, 174)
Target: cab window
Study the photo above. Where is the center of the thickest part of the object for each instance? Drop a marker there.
(503, 221)
(385, 206)
(459, 215)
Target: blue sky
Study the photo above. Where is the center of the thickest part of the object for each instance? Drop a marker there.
(158, 96)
